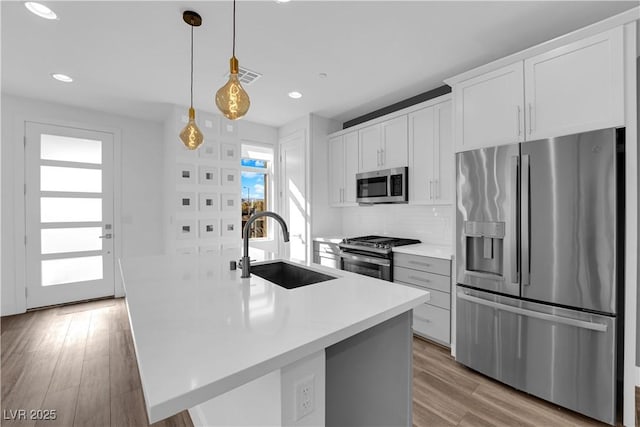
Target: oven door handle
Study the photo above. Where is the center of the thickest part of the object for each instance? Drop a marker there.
(362, 258)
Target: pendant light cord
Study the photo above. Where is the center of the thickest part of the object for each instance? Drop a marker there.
(234, 28)
(192, 63)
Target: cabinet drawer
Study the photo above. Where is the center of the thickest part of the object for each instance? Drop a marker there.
(432, 322)
(422, 279)
(324, 247)
(327, 261)
(423, 263)
(437, 298)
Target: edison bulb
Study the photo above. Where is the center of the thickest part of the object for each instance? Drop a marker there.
(191, 135)
(231, 99)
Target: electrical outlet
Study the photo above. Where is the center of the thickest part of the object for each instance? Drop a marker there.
(305, 397)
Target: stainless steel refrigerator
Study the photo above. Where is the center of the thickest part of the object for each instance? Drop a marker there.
(537, 248)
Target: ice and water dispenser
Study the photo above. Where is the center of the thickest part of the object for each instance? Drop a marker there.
(484, 248)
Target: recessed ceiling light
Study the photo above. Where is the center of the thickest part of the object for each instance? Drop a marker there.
(40, 10)
(295, 95)
(283, 1)
(62, 77)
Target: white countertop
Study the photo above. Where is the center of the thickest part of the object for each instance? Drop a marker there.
(200, 330)
(425, 249)
(328, 239)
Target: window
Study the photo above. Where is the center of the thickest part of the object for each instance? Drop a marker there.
(256, 170)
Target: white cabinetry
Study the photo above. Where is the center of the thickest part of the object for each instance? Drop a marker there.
(489, 109)
(431, 159)
(576, 88)
(573, 88)
(384, 145)
(431, 320)
(343, 166)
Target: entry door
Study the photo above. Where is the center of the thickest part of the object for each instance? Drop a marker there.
(294, 194)
(69, 214)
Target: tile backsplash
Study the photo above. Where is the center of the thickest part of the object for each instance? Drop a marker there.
(430, 224)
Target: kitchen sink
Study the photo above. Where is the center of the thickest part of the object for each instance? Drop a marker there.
(289, 276)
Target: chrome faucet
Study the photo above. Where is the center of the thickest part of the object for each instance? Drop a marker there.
(245, 236)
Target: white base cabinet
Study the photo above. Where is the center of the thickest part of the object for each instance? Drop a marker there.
(327, 254)
(433, 319)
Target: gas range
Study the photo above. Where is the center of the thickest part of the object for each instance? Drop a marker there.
(374, 245)
(370, 255)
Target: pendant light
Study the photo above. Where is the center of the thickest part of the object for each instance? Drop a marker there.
(231, 99)
(191, 136)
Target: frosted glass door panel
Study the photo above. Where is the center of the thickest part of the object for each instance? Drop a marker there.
(60, 240)
(70, 270)
(67, 209)
(69, 214)
(66, 149)
(54, 178)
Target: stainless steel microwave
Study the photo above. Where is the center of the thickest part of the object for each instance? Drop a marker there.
(384, 186)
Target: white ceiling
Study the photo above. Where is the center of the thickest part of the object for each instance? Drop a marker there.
(132, 58)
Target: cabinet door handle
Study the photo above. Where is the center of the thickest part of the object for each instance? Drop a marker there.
(518, 120)
(425, 264)
(436, 184)
(420, 279)
(377, 157)
(430, 190)
(530, 119)
(382, 157)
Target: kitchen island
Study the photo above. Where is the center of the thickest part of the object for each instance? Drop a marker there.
(246, 351)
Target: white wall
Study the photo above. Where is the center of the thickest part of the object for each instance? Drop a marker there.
(218, 133)
(430, 224)
(140, 181)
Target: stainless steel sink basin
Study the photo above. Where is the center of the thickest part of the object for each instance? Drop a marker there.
(287, 275)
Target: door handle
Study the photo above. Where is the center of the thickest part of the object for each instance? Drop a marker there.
(382, 157)
(518, 120)
(553, 318)
(106, 236)
(515, 250)
(530, 119)
(524, 219)
(430, 190)
(436, 185)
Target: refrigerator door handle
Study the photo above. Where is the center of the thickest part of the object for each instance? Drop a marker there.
(594, 326)
(525, 227)
(514, 250)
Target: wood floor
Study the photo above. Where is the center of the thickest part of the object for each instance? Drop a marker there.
(79, 360)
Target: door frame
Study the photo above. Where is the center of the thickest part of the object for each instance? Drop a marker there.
(300, 133)
(19, 200)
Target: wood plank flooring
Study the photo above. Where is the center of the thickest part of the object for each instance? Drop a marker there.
(446, 393)
(79, 360)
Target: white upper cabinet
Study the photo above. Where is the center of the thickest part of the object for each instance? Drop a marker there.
(431, 155)
(490, 109)
(350, 168)
(336, 170)
(576, 88)
(395, 143)
(573, 88)
(384, 145)
(444, 163)
(370, 145)
(343, 166)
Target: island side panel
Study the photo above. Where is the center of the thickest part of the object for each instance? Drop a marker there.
(369, 376)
